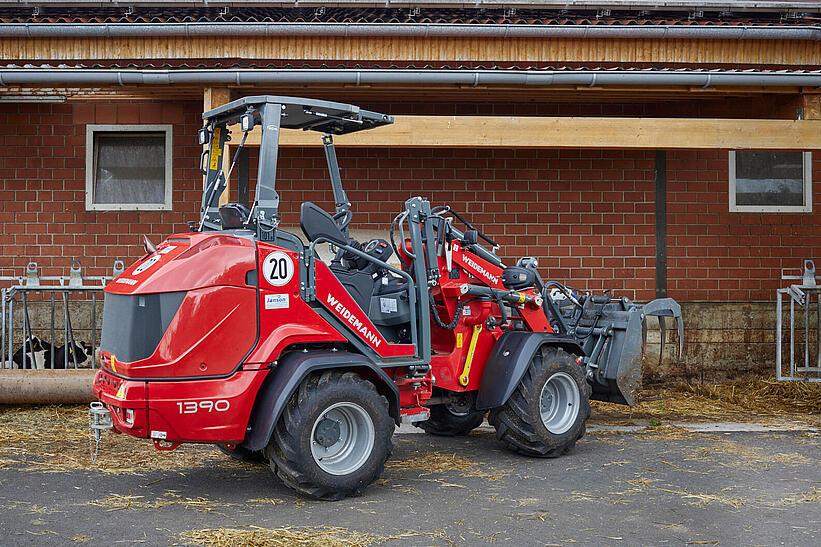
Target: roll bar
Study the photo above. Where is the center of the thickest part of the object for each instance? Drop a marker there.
(273, 113)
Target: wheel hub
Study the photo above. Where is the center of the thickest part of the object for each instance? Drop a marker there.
(327, 432)
(559, 403)
(342, 438)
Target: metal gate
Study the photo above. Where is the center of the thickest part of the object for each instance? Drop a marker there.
(40, 312)
(804, 324)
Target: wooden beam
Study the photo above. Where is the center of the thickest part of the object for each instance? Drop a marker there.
(573, 132)
(212, 98)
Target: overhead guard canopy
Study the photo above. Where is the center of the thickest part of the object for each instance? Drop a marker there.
(306, 114)
(273, 113)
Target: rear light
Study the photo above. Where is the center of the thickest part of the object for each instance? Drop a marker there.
(129, 416)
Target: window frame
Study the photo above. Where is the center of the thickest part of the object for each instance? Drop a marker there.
(92, 129)
(806, 208)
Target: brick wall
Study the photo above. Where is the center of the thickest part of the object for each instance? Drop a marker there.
(588, 214)
(42, 187)
(715, 255)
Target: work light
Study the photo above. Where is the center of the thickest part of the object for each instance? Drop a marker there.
(204, 136)
(247, 122)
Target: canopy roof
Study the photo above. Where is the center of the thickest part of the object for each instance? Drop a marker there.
(306, 114)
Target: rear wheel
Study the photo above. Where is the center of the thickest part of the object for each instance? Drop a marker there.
(546, 414)
(458, 417)
(333, 437)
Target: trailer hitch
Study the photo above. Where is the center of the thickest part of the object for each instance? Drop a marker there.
(99, 422)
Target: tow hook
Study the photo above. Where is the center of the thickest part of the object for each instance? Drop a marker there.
(165, 446)
(99, 421)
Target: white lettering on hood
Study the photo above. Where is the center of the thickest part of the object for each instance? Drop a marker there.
(355, 323)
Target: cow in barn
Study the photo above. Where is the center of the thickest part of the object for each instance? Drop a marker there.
(77, 353)
(34, 353)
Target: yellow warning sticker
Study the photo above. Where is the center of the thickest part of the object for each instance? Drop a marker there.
(459, 340)
(121, 392)
(216, 150)
(113, 364)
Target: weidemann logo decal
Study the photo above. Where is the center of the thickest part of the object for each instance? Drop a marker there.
(479, 269)
(355, 323)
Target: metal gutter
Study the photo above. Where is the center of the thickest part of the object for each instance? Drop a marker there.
(410, 30)
(544, 78)
(722, 5)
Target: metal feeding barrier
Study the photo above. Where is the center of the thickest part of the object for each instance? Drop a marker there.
(33, 290)
(806, 366)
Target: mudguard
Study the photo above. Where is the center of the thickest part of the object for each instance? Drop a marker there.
(508, 362)
(285, 378)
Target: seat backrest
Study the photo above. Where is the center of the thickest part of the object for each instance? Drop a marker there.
(316, 222)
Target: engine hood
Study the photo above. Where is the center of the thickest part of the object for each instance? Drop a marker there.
(189, 261)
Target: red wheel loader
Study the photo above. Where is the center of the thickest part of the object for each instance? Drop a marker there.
(237, 334)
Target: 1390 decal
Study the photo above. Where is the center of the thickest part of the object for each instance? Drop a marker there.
(192, 407)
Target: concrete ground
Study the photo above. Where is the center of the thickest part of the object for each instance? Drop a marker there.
(657, 486)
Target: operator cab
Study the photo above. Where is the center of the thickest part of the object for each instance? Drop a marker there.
(361, 269)
(382, 295)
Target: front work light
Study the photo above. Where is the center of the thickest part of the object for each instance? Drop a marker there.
(204, 136)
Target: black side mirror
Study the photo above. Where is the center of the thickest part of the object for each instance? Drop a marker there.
(317, 223)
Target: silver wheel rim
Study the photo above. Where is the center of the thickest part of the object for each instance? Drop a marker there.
(352, 448)
(559, 403)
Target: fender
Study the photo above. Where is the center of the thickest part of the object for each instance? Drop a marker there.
(509, 361)
(285, 378)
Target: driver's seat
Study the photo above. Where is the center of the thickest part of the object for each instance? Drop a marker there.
(317, 223)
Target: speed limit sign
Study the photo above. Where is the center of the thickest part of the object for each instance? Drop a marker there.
(278, 268)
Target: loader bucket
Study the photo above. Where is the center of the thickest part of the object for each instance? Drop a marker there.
(615, 342)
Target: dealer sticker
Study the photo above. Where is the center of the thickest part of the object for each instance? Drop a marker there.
(277, 301)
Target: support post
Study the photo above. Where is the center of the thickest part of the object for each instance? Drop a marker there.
(212, 98)
(661, 224)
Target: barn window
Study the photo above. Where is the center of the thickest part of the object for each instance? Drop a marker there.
(770, 182)
(128, 167)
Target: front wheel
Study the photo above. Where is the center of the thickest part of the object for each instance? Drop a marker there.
(546, 414)
(333, 437)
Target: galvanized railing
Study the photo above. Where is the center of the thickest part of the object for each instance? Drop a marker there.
(33, 292)
(805, 326)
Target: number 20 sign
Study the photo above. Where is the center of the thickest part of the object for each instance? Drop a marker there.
(278, 268)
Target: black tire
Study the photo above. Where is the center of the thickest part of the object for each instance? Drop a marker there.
(451, 420)
(244, 455)
(289, 450)
(518, 422)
